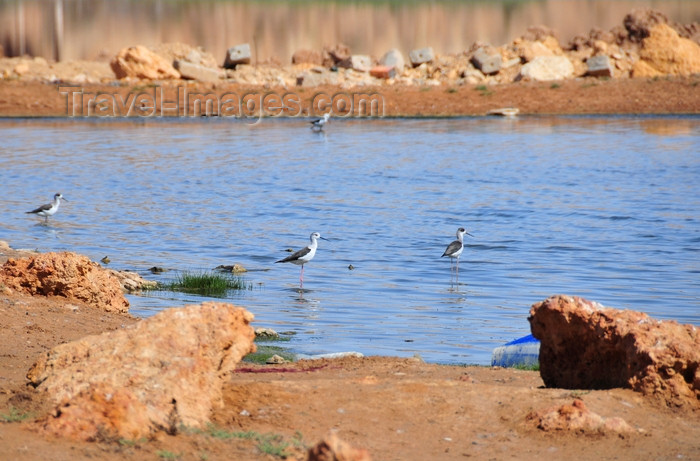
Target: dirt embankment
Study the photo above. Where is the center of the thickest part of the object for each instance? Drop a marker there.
(387, 408)
(646, 65)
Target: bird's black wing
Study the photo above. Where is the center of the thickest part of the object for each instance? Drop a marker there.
(452, 248)
(293, 257)
(41, 208)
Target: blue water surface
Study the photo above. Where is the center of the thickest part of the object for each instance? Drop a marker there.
(603, 207)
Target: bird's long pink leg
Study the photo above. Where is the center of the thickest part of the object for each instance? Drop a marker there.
(457, 276)
(301, 277)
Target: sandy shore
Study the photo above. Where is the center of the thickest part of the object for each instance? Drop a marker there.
(667, 95)
(396, 408)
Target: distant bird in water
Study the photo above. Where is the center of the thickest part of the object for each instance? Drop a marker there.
(303, 256)
(454, 249)
(50, 208)
(317, 125)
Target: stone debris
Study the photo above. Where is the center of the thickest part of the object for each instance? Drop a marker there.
(587, 346)
(383, 72)
(599, 66)
(393, 58)
(142, 63)
(645, 44)
(67, 275)
(421, 56)
(159, 374)
(577, 418)
(190, 71)
(332, 448)
(239, 54)
(546, 68)
(132, 282)
(664, 52)
(487, 60)
(358, 62)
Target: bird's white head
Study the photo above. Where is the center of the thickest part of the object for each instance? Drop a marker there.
(315, 236)
(326, 116)
(461, 232)
(58, 197)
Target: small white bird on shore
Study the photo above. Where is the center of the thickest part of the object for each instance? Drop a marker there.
(454, 249)
(303, 256)
(49, 209)
(317, 125)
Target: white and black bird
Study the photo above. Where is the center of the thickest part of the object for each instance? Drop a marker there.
(317, 125)
(50, 208)
(304, 255)
(454, 249)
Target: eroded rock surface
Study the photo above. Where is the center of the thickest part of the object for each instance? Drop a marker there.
(159, 374)
(140, 62)
(576, 417)
(587, 346)
(65, 274)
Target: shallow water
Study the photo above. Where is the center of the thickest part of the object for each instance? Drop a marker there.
(603, 207)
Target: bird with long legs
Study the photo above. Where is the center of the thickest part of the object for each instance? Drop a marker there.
(303, 256)
(49, 209)
(454, 250)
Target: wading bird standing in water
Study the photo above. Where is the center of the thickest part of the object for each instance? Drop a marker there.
(303, 256)
(50, 208)
(317, 125)
(454, 250)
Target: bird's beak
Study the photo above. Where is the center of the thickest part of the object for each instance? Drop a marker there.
(470, 235)
(322, 238)
(63, 198)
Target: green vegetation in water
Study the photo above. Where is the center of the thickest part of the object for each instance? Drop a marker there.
(206, 283)
(14, 415)
(265, 352)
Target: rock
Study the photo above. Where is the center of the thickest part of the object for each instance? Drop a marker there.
(639, 23)
(182, 52)
(487, 60)
(140, 62)
(358, 62)
(545, 68)
(667, 54)
(393, 58)
(307, 56)
(331, 448)
(197, 72)
(335, 55)
(131, 281)
(156, 375)
(530, 50)
(383, 72)
(266, 334)
(587, 346)
(67, 275)
(599, 66)
(420, 56)
(239, 54)
(276, 360)
(579, 419)
(21, 68)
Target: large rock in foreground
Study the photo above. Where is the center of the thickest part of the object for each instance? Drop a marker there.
(664, 52)
(65, 274)
(159, 374)
(587, 346)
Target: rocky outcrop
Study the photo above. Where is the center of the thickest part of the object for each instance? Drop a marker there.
(331, 448)
(545, 68)
(161, 373)
(587, 346)
(131, 281)
(579, 419)
(67, 275)
(140, 62)
(664, 52)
